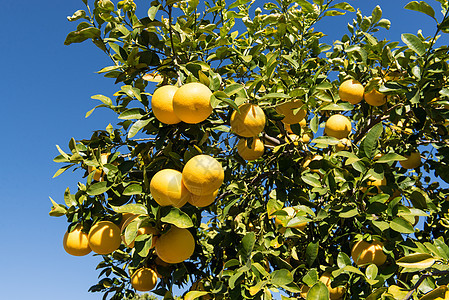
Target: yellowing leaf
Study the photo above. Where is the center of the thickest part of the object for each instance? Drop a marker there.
(416, 261)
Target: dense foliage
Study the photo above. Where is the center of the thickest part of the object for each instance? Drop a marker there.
(267, 56)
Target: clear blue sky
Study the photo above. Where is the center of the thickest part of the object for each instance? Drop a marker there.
(45, 91)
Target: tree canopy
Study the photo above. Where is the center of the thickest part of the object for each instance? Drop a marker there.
(323, 202)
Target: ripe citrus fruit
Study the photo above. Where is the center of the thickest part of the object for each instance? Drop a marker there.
(76, 242)
(338, 126)
(374, 182)
(306, 137)
(334, 293)
(249, 122)
(288, 109)
(364, 253)
(98, 175)
(167, 188)
(412, 161)
(344, 144)
(162, 104)
(175, 246)
(202, 175)
(202, 201)
(253, 153)
(104, 237)
(191, 103)
(351, 91)
(125, 218)
(375, 98)
(144, 279)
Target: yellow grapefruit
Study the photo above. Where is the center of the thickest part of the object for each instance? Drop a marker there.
(98, 175)
(162, 104)
(412, 161)
(375, 98)
(306, 137)
(374, 182)
(336, 292)
(249, 122)
(76, 242)
(344, 144)
(338, 126)
(253, 153)
(364, 253)
(202, 201)
(191, 103)
(144, 279)
(202, 175)
(104, 237)
(288, 109)
(351, 91)
(167, 188)
(175, 246)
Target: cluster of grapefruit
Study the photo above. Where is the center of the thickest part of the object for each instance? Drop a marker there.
(202, 176)
(198, 184)
(173, 246)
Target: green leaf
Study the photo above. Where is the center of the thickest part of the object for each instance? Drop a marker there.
(377, 294)
(312, 252)
(281, 277)
(275, 96)
(137, 209)
(79, 14)
(143, 244)
(343, 260)
(318, 291)
(307, 6)
(137, 126)
(176, 217)
(343, 6)
(369, 144)
(194, 295)
(389, 157)
(132, 113)
(402, 226)
(131, 91)
(152, 12)
(371, 271)
(248, 242)
(311, 179)
(344, 106)
(414, 43)
(98, 188)
(376, 14)
(352, 269)
(82, 35)
(333, 13)
(62, 170)
(57, 210)
(422, 7)
(106, 100)
(133, 189)
(69, 199)
(233, 89)
(326, 140)
(416, 261)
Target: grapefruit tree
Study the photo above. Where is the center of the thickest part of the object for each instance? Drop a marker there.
(197, 79)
